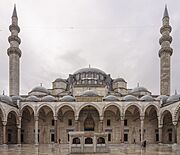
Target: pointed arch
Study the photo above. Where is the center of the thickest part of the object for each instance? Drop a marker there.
(156, 107)
(111, 104)
(63, 105)
(133, 104)
(89, 104)
(46, 105)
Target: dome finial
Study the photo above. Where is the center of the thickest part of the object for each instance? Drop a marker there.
(138, 84)
(14, 11)
(41, 84)
(89, 66)
(166, 14)
(3, 92)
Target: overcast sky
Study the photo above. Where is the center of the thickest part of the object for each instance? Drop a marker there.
(121, 37)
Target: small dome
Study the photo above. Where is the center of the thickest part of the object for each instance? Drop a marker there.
(92, 70)
(89, 93)
(6, 99)
(146, 98)
(15, 98)
(60, 80)
(49, 98)
(130, 98)
(32, 98)
(173, 98)
(110, 98)
(139, 89)
(40, 89)
(162, 97)
(119, 80)
(68, 98)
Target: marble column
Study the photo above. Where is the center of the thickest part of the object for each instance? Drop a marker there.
(122, 129)
(55, 129)
(19, 134)
(76, 125)
(175, 132)
(94, 143)
(36, 130)
(160, 133)
(101, 126)
(4, 123)
(142, 128)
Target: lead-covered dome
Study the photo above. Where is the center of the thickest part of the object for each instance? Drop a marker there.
(49, 98)
(87, 70)
(140, 91)
(15, 98)
(130, 98)
(173, 98)
(147, 98)
(39, 90)
(162, 98)
(110, 98)
(89, 77)
(6, 99)
(68, 98)
(32, 98)
(89, 93)
(119, 80)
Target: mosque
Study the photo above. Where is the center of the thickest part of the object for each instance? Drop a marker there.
(89, 104)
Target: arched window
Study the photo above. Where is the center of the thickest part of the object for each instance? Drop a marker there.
(76, 140)
(88, 140)
(101, 140)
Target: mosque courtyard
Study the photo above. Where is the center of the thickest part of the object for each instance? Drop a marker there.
(114, 150)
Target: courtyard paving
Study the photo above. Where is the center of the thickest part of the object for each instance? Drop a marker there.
(114, 150)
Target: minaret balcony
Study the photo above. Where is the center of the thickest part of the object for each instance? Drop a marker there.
(165, 38)
(14, 27)
(15, 50)
(14, 38)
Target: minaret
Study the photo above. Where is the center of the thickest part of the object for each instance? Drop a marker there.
(165, 54)
(14, 54)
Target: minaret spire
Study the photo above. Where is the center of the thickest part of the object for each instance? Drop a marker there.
(14, 54)
(165, 54)
(14, 11)
(166, 14)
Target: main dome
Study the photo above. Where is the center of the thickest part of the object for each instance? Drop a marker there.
(87, 70)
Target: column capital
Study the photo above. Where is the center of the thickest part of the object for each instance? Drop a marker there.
(101, 118)
(175, 123)
(160, 126)
(142, 117)
(4, 123)
(55, 118)
(18, 126)
(122, 118)
(36, 118)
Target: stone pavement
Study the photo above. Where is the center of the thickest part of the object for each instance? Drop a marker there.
(125, 149)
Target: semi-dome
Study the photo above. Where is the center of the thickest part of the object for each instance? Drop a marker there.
(130, 98)
(40, 89)
(173, 98)
(162, 98)
(119, 80)
(110, 98)
(146, 98)
(32, 98)
(68, 98)
(15, 98)
(6, 99)
(49, 98)
(139, 89)
(89, 93)
(86, 70)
